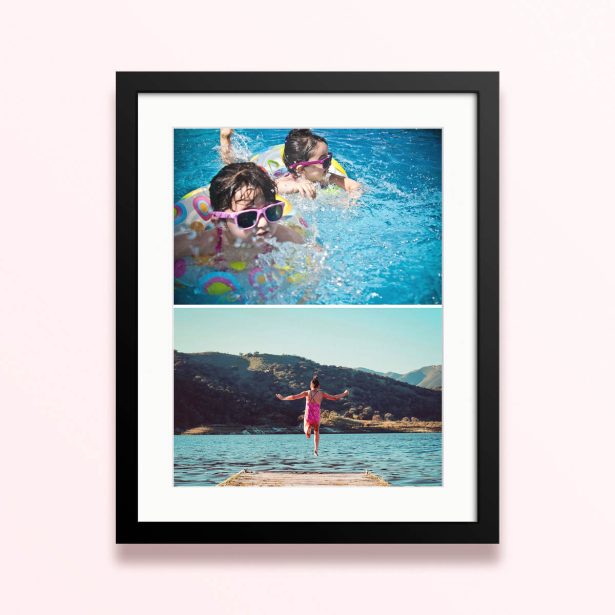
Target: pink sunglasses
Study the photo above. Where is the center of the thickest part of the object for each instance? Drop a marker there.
(325, 161)
(248, 218)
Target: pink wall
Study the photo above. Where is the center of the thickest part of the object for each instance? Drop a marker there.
(57, 310)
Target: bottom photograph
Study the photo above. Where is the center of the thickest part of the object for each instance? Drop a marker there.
(307, 396)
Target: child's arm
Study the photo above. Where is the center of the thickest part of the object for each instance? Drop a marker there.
(226, 147)
(289, 184)
(344, 182)
(292, 397)
(286, 233)
(187, 244)
(335, 397)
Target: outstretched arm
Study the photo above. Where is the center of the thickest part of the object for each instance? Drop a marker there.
(344, 182)
(335, 397)
(226, 147)
(292, 397)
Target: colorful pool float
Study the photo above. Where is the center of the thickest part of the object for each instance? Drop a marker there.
(228, 281)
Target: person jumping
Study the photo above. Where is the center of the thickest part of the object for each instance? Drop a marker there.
(313, 399)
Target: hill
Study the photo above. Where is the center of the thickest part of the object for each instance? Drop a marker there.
(227, 390)
(429, 377)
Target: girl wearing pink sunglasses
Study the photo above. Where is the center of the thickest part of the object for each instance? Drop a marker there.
(307, 159)
(246, 216)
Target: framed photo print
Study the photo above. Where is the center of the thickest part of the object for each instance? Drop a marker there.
(307, 347)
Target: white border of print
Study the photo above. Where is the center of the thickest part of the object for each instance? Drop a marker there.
(158, 499)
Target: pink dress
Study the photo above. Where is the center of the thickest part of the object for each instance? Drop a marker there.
(312, 410)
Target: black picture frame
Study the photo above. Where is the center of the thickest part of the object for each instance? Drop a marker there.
(486, 87)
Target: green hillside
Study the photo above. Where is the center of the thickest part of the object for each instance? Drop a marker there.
(222, 389)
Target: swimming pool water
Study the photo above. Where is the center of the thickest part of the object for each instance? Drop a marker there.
(383, 248)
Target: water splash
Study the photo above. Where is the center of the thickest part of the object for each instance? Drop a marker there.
(384, 247)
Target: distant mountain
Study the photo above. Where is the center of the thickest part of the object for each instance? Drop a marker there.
(225, 389)
(429, 377)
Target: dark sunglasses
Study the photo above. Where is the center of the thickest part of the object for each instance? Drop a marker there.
(248, 218)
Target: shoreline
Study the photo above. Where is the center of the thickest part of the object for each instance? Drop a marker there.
(343, 426)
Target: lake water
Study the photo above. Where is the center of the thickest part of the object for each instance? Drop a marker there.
(403, 459)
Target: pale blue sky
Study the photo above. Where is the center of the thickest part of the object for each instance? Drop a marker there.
(382, 339)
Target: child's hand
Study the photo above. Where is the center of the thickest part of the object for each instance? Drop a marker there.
(306, 188)
(288, 185)
(226, 147)
(354, 191)
(279, 396)
(345, 393)
(351, 184)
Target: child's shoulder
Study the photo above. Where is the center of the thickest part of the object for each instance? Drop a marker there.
(287, 233)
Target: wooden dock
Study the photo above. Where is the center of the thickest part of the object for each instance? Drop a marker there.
(246, 478)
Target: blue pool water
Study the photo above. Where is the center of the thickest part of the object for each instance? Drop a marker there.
(403, 459)
(385, 248)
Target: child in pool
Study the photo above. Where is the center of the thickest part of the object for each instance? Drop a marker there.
(307, 159)
(246, 214)
(313, 399)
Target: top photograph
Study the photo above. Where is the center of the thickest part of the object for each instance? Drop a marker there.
(308, 216)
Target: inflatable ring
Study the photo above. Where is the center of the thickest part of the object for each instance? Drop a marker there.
(202, 206)
(257, 278)
(194, 206)
(288, 208)
(179, 268)
(261, 281)
(218, 283)
(180, 212)
(272, 161)
(237, 265)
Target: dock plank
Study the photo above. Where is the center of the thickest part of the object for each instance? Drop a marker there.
(247, 478)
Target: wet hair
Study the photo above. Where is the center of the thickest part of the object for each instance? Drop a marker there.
(233, 177)
(315, 381)
(299, 145)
